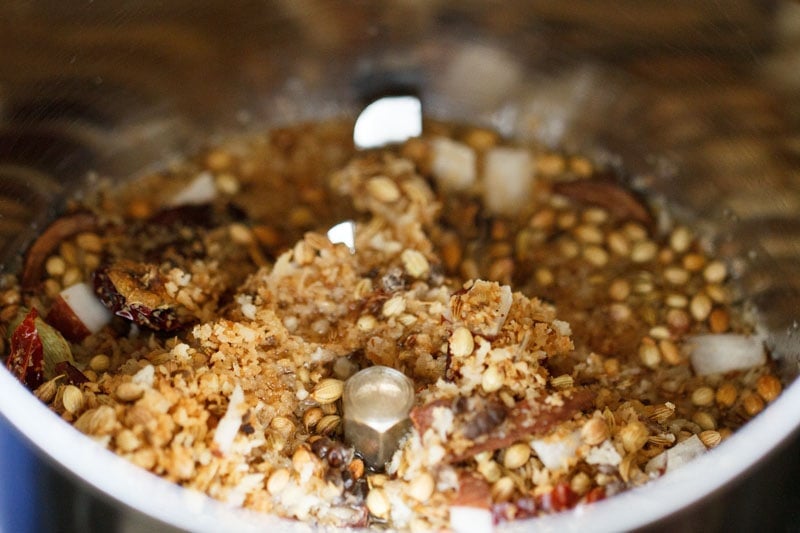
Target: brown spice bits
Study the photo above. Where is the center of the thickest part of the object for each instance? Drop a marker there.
(481, 424)
(473, 491)
(312, 287)
(524, 332)
(137, 292)
(389, 187)
(482, 308)
(400, 218)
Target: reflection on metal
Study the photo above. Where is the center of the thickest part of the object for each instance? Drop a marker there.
(344, 233)
(388, 120)
(377, 401)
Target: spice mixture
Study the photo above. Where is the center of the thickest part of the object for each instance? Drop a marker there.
(563, 335)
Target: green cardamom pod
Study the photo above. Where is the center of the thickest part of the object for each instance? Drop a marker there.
(56, 348)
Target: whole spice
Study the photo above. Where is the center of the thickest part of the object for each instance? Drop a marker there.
(768, 387)
(328, 390)
(311, 417)
(516, 455)
(461, 342)
(726, 394)
(634, 436)
(710, 438)
(703, 396)
(328, 424)
(595, 431)
(129, 392)
(421, 487)
(549, 330)
(72, 399)
(752, 403)
(47, 390)
(503, 489)
(26, 357)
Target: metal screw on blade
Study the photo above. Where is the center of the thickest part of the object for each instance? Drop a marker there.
(376, 403)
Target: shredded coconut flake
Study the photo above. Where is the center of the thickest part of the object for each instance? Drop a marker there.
(677, 456)
(145, 376)
(604, 454)
(229, 424)
(470, 520)
(556, 452)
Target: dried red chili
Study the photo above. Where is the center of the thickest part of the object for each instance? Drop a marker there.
(26, 358)
(560, 498)
(595, 495)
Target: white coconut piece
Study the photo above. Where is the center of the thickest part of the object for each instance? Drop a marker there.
(453, 164)
(200, 190)
(562, 328)
(506, 299)
(605, 454)
(230, 422)
(480, 75)
(145, 376)
(85, 305)
(719, 353)
(465, 519)
(557, 451)
(507, 180)
(677, 456)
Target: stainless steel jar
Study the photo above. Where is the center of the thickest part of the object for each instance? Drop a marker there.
(698, 99)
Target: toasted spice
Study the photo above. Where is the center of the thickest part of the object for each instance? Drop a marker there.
(128, 392)
(726, 394)
(328, 390)
(703, 396)
(710, 438)
(595, 431)
(768, 387)
(548, 345)
(516, 455)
